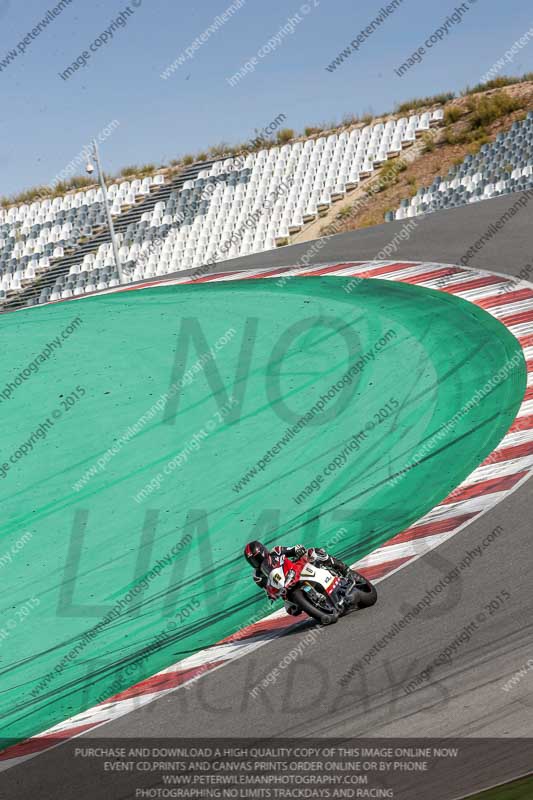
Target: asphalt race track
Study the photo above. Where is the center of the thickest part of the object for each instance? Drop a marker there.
(463, 698)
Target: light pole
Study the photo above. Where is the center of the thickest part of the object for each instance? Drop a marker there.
(90, 170)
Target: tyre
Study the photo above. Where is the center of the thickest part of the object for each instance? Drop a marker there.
(367, 592)
(299, 597)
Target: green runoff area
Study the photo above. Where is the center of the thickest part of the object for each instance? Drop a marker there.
(517, 790)
(123, 523)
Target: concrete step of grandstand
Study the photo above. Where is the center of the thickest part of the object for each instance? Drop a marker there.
(61, 266)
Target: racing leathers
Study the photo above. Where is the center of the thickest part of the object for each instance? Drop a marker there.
(316, 556)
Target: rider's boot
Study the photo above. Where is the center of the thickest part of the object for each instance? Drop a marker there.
(339, 566)
(325, 560)
(292, 609)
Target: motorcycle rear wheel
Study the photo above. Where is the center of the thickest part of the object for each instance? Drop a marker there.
(299, 597)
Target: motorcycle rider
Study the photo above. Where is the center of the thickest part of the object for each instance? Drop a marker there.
(264, 561)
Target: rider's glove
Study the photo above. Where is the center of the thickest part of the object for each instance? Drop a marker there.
(299, 550)
(340, 566)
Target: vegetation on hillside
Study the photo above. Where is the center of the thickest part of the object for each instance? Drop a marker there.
(469, 122)
(497, 83)
(424, 102)
(135, 171)
(483, 111)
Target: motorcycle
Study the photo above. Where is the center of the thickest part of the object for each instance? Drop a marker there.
(320, 592)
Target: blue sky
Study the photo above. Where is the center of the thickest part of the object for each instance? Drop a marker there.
(47, 120)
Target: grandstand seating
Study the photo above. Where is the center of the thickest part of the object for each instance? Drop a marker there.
(212, 212)
(33, 235)
(40, 289)
(499, 168)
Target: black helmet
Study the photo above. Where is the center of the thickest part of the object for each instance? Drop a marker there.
(255, 553)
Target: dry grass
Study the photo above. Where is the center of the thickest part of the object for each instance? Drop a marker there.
(469, 126)
(470, 120)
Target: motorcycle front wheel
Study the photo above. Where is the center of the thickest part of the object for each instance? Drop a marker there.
(325, 617)
(366, 591)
